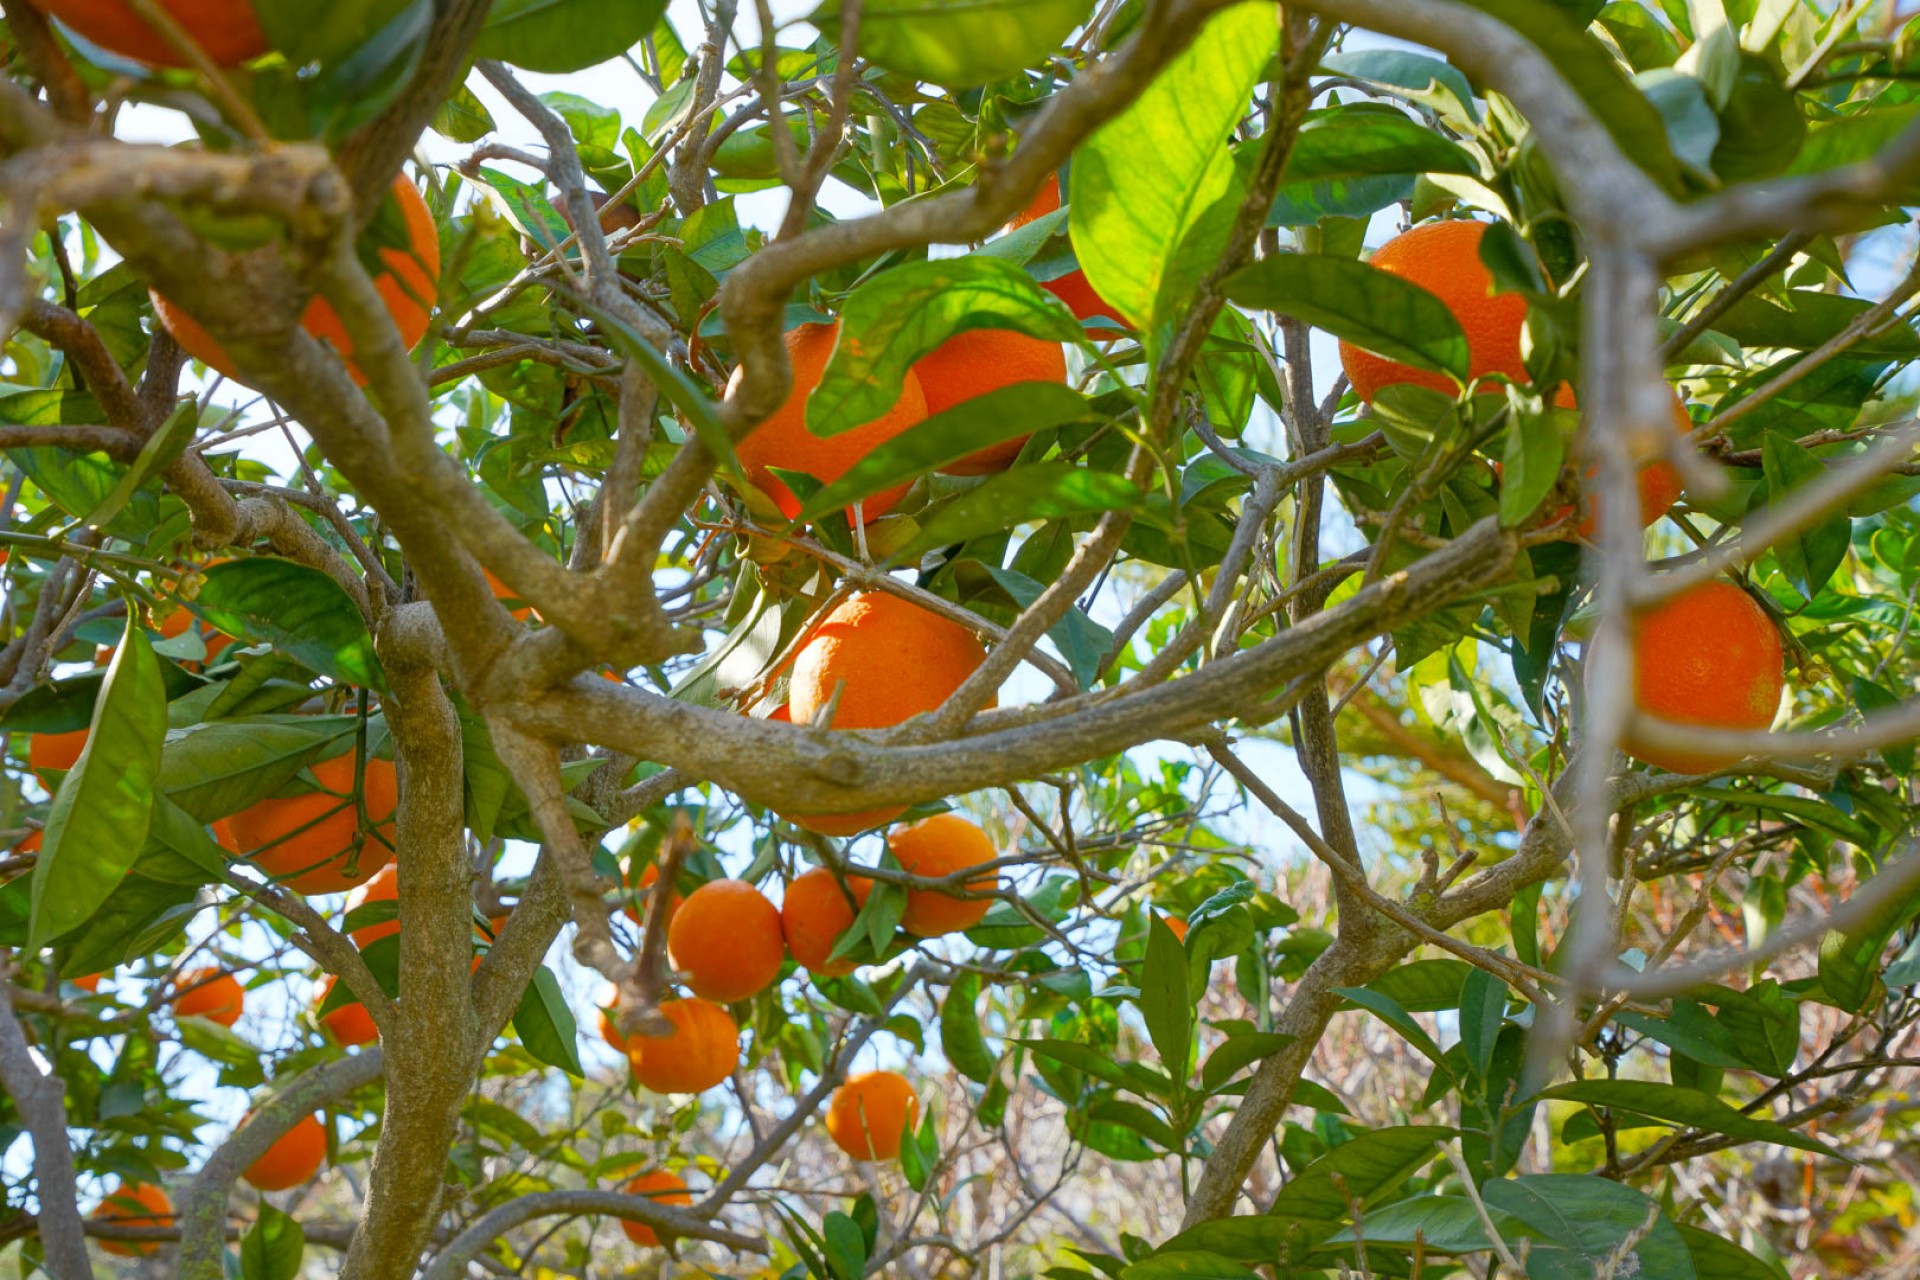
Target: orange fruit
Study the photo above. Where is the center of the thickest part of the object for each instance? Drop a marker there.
(89, 984)
(702, 1050)
(725, 939)
(177, 623)
(871, 1113)
(1709, 656)
(139, 1205)
(609, 1006)
(969, 365)
(47, 752)
(784, 440)
(306, 841)
(226, 30)
(813, 915)
(350, 1024)
(940, 846)
(1177, 924)
(408, 287)
(649, 878)
(1659, 481)
(660, 1187)
(894, 659)
(501, 591)
(293, 1159)
(210, 994)
(1073, 288)
(384, 887)
(1444, 259)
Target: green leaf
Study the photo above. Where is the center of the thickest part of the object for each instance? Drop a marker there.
(545, 1024)
(1142, 182)
(1359, 141)
(295, 608)
(1187, 1264)
(1691, 1031)
(677, 386)
(273, 1247)
(1366, 306)
(1850, 961)
(1684, 1106)
(1239, 1052)
(1531, 463)
(1483, 1011)
(1423, 986)
(1580, 1220)
(1006, 413)
(1366, 1169)
(558, 36)
(1384, 1008)
(104, 807)
(897, 317)
(1081, 1057)
(1809, 557)
(958, 43)
(223, 766)
(960, 1038)
(1440, 1224)
(1081, 641)
(1418, 73)
(1044, 491)
(1163, 998)
(161, 448)
(845, 1247)
(1717, 1258)
(1870, 697)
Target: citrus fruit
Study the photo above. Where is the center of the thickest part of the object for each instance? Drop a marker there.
(502, 592)
(642, 889)
(1073, 288)
(889, 660)
(293, 1159)
(1177, 924)
(1444, 259)
(90, 983)
(725, 939)
(660, 1187)
(813, 915)
(384, 887)
(784, 441)
(1709, 656)
(350, 1024)
(226, 30)
(55, 752)
(306, 841)
(1659, 481)
(139, 1205)
(969, 365)
(180, 621)
(408, 286)
(609, 1009)
(209, 994)
(939, 846)
(702, 1050)
(870, 1114)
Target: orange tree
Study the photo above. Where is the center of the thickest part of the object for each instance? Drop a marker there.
(848, 528)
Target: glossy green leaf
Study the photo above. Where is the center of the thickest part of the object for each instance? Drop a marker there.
(1384, 1008)
(1717, 1258)
(273, 1247)
(1164, 1002)
(1366, 1169)
(1358, 141)
(1044, 491)
(1238, 1053)
(1187, 1264)
(104, 806)
(1421, 74)
(1440, 1224)
(1578, 1221)
(545, 1024)
(297, 609)
(1685, 1107)
(961, 1040)
(1423, 986)
(1483, 1011)
(1366, 306)
(1083, 642)
(958, 43)
(1810, 556)
(1531, 462)
(564, 35)
(223, 766)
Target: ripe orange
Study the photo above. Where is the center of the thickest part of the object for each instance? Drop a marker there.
(871, 1113)
(210, 994)
(139, 1205)
(940, 846)
(895, 660)
(609, 1008)
(784, 441)
(648, 878)
(89, 984)
(1659, 481)
(1177, 924)
(1444, 259)
(306, 841)
(384, 887)
(726, 939)
(701, 1052)
(293, 1159)
(55, 751)
(350, 1024)
(1074, 288)
(660, 1187)
(501, 591)
(971, 364)
(408, 286)
(1710, 656)
(177, 623)
(226, 30)
(813, 915)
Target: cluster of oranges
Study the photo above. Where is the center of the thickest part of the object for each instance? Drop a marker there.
(1710, 656)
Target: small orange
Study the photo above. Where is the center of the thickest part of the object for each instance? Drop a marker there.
(642, 887)
(48, 752)
(180, 621)
(969, 365)
(702, 1050)
(784, 440)
(895, 660)
(1444, 259)
(871, 1113)
(1709, 656)
(1178, 925)
(89, 984)
(660, 1187)
(226, 30)
(349, 1025)
(726, 939)
(939, 846)
(813, 915)
(501, 591)
(209, 994)
(1073, 288)
(1659, 481)
(408, 287)
(384, 887)
(139, 1205)
(293, 1159)
(608, 1004)
(306, 841)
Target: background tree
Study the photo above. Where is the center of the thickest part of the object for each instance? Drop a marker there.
(843, 526)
